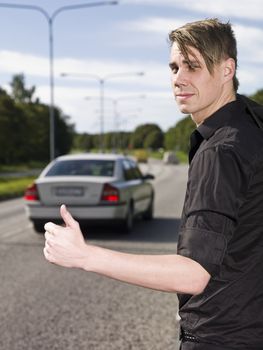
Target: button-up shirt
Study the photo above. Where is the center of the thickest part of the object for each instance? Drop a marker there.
(222, 229)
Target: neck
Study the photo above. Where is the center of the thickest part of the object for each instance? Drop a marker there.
(200, 116)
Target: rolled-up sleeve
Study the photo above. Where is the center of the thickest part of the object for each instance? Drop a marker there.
(217, 187)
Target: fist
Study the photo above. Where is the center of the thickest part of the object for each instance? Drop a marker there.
(65, 245)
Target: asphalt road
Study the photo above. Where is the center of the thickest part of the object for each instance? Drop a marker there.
(45, 307)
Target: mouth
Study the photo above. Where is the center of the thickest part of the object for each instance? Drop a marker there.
(184, 96)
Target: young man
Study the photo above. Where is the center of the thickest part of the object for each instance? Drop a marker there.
(218, 269)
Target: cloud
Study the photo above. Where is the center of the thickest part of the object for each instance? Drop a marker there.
(244, 9)
(160, 25)
(252, 9)
(156, 74)
(247, 36)
(249, 43)
(14, 62)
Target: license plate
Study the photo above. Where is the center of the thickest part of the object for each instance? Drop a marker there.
(69, 191)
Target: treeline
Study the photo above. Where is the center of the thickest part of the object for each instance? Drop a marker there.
(24, 126)
(24, 130)
(148, 136)
(111, 141)
(145, 136)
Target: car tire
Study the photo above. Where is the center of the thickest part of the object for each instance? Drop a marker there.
(129, 219)
(38, 226)
(148, 214)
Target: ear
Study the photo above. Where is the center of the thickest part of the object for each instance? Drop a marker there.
(229, 68)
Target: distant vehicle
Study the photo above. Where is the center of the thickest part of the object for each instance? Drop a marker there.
(95, 187)
(141, 156)
(170, 158)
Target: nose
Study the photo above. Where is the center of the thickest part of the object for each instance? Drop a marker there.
(179, 78)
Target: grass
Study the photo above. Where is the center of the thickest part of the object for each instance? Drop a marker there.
(182, 157)
(156, 154)
(12, 187)
(17, 168)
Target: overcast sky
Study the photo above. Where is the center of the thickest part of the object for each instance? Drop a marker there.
(128, 38)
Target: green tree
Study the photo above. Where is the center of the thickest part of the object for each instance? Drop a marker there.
(64, 132)
(3, 92)
(109, 140)
(19, 91)
(177, 137)
(38, 131)
(83, 142)
(13, 131)
(123, 138)
(141, 132)
(169, 139)
(258, 96)
(24, 131)
(154, 140)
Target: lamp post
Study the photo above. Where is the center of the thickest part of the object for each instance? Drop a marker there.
(115, 102)
(117, 115)
(101, 80)
(50, 20)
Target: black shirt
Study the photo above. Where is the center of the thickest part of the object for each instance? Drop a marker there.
(222, 229)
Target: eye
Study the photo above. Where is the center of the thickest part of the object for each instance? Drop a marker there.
(192, 66)
(174, 68)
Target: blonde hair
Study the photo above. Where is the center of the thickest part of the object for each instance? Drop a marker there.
(214, 40)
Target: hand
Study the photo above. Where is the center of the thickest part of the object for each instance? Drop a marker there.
(65, 245)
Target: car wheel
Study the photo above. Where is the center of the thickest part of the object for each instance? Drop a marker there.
(38, 226)
(148, 214)
(129, 220)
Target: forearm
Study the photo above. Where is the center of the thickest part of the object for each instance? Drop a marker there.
(169, 273)
(66, 246)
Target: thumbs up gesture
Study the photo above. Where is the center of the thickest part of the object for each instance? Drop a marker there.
(65, 245)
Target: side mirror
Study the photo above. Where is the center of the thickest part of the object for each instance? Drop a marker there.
(148, 177)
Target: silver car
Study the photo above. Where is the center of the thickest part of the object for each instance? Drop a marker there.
(95, 187)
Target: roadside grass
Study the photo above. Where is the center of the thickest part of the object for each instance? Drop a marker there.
(18, 168)
(182, 157)
(14, 187)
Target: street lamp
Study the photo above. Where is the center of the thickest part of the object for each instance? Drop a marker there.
(115, 102)
(117, 114)
(50, 20)
(101, 80)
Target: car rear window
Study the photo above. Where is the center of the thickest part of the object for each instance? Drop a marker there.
(82, 167)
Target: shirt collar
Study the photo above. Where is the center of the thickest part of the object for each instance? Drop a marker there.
(218, 119)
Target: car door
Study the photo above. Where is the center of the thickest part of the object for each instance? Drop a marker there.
(144, 189)
(132, 185)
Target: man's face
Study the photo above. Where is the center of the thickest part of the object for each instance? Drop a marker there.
(196, 90)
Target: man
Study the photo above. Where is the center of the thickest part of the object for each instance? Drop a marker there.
(218, 271)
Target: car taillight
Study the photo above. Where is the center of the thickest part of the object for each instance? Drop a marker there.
(31, 193)
(110, 193)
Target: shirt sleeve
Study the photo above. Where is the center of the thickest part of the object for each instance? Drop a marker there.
(217, 186)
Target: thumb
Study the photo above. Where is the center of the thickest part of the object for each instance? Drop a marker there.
(67, 217)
